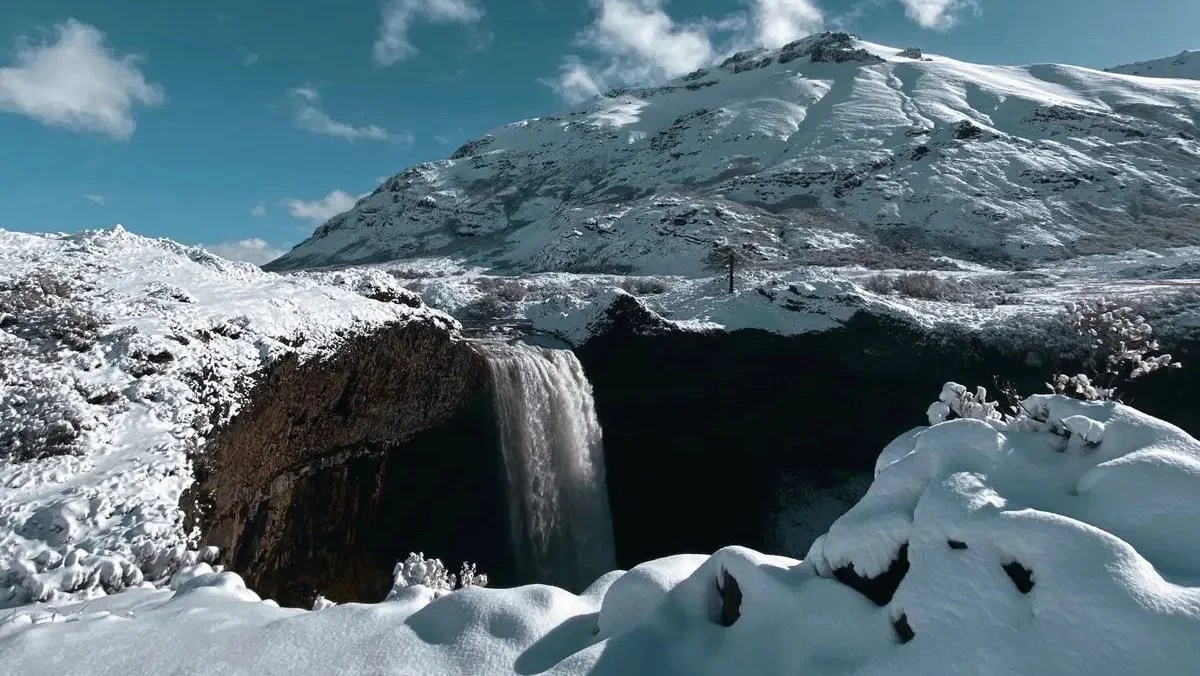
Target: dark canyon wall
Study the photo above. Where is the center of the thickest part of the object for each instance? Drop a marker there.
(700, 429)
(337, 469)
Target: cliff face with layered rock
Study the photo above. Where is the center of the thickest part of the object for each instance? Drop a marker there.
(335, 470)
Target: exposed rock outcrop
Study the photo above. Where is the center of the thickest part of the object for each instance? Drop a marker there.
(337, 469)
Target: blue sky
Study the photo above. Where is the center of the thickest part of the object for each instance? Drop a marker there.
(244, 124)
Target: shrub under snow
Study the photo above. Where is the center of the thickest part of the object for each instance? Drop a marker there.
(1117, 345)
(118, 356)
(416, 570)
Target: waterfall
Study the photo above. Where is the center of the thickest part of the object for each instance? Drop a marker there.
(551, 440)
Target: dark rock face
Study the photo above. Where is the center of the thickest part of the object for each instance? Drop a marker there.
(1022, 577)
(731, 599)
(334, 470)
(697, 426)
(904, 631)
(879, 589)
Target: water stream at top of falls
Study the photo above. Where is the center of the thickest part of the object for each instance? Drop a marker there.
(554, 458)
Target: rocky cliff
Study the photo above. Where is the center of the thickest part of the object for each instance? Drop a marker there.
(337, 469)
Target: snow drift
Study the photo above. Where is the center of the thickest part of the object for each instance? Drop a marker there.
(982, 547)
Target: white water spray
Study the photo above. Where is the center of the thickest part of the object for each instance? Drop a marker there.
(551, 440)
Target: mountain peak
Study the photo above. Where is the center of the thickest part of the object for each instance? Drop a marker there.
(884, 152)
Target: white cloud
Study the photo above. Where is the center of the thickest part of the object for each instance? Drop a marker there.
(96, 198)
(393, 44)
(259, 210)
(576, 82)
(936, 14)
(642, 42)
(319, 211)
(638, 42)
(311, 117)
(778, 22)
(253, 250)
(250, 59)
(76, 82)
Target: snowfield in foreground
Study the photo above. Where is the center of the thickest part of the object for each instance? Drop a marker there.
(1062, 542)
(120, 354)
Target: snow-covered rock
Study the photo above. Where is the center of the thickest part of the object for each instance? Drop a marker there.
(829, 151)
(1009, 553)
(119, 355)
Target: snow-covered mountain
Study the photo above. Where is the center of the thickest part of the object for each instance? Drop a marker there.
(829, 150)
(1185, 65)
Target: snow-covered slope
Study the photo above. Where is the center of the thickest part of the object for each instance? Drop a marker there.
(1014, 548)
(829, 150)
(1185, 65)
(118, 355)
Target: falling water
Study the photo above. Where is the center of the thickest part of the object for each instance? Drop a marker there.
(551, 440)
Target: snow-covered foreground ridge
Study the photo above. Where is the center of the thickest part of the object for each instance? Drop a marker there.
(829, 150)
(119, 355)
(1058, 544)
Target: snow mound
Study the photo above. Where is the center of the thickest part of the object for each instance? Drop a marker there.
(998, 546)
(118, 356)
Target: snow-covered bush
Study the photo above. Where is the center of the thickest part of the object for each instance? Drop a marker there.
(70, 572)
(1117, 346)
(38, 308)
(922, 285)
(42, 414)
(506, 290)
(487, 306)
(644, 286)
(959, 402)
(416, 570)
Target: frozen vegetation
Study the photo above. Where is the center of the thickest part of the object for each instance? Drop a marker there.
(120, 355)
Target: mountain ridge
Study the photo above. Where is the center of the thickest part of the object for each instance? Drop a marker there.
(828, 151)
(1185, 65)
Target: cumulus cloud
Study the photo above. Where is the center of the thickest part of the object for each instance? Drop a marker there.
(254, 250)
(778, 22)
(321, 210)
(637, 41)
(311, 117)
(75, 81)
(576, 81)
(96, 198)
(259, 210)
(936, 14)
(398, 16)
